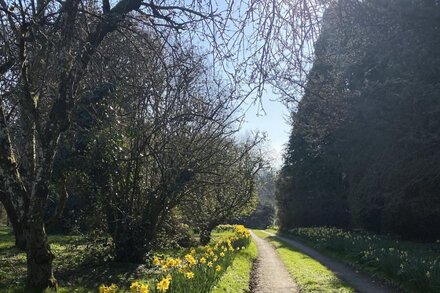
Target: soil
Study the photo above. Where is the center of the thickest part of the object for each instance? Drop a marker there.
(359, 281)
(269, 273)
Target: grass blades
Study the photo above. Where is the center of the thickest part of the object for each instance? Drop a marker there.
(415, 267)
(237, 276)
(308, 273)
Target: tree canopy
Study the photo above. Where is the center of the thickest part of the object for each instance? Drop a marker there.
(363, 147)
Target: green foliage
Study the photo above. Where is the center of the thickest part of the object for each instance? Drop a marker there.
(264, 214)
(414, 267)
(224, 228)
(362, 152)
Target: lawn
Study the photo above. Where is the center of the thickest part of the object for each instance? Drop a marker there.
(78, 267)
(308, 273)
(83, 268)
(414, 267)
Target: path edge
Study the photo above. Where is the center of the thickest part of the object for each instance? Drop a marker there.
(385, 287)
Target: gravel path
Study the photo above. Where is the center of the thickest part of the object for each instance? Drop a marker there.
(270, 275)
(360, 282)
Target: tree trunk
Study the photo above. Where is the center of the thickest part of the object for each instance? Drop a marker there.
(39, 258)
(18, 228)
(16, 223)
(133, 241)
(205, 234)
(20, 237)
(128, 249)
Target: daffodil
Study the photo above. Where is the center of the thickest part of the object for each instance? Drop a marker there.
(189, 275)
(164, 284)
(108, 289)
(138, 287)
(190, 259)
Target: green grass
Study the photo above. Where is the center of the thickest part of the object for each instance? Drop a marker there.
(237, 277)
(308, 273)
(80, 268)
(75, 266)
(217, 235)
(414, 267)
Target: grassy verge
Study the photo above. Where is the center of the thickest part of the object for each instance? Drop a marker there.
(77, 267)
(237, 277)
(413, 267)
(309, 274)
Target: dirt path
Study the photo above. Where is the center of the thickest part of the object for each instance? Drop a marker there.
(360, 282)
(270, 274)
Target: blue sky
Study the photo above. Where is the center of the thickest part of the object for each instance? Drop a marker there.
(273, 121)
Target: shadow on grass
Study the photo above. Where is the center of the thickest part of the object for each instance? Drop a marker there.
(75, 267)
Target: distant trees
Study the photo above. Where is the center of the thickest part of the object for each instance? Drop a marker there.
(227, 190)
(264, 214)
(363, 148)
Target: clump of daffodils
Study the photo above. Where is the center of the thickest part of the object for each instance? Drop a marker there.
(108, 289)
(164, 284)
(139, 287)
(196, 271)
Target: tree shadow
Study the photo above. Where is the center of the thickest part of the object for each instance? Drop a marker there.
(75, 266)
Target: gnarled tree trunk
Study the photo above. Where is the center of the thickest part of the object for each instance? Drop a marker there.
(39, 256)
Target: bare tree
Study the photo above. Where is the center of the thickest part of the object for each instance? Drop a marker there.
(228, 191)
(171, 128)
(47, 49)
